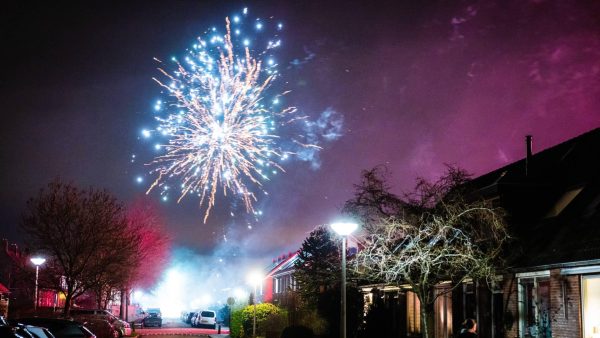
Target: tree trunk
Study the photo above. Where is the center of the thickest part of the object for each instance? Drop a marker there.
(427, 320)
(124, 302)
(68, 299)
(98, 299)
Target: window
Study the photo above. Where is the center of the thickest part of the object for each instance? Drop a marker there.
(413, 312)
(534, 307)
(498, 313)
(591, 306)
(469, 304)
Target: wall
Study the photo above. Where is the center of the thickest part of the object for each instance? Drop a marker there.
(565, 308)
(511, 313)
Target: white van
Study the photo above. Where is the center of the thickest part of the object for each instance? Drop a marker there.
(206, 318)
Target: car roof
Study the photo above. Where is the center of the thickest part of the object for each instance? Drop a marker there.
(47, 321)
(50, 320)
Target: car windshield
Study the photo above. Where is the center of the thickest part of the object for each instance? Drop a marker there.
(39, 332)
(207, 314)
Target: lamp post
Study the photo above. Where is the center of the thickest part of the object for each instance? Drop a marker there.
(37, 261)
(344, 229)
(254, 278)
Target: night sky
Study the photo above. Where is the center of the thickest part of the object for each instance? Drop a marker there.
(416, 83)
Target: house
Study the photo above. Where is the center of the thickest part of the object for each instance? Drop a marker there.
(4, 294)
(279, 280)
(551, 287)
(552, 199)
(17, 273)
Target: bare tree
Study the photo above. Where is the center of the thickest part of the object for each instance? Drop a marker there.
(143, 252)
(435, 234)
(81, 231)
(151, 251)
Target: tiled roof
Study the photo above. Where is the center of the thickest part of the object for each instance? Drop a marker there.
(283, 265)
(553, 211)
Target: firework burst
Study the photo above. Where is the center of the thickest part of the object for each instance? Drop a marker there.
(220, 124)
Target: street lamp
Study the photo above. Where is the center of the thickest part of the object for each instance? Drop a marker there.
(344, 229)
(254, 278)
(37, 261)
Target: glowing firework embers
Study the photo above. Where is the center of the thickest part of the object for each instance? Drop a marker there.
(220, 126)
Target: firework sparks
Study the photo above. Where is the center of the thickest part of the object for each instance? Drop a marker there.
(220, 125)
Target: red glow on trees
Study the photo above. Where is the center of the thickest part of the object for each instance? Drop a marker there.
(145, 226)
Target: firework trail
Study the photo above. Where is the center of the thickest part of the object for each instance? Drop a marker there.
(219, 121)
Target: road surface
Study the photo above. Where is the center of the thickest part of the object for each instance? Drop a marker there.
(175, 328)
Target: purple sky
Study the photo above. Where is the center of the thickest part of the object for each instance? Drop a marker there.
(418, 85)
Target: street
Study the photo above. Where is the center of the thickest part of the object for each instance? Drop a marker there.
(174, 327)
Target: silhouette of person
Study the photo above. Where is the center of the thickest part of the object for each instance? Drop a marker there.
(469, 329)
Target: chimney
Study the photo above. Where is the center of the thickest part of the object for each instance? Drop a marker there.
(528, 143)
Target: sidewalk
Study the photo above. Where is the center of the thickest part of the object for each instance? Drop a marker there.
(218, 335)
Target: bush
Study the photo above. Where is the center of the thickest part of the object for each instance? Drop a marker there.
(236, 329)
(311, 319)
(269, 318)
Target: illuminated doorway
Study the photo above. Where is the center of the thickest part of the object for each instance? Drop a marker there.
(591, 306)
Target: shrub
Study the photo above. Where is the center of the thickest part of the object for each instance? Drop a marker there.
(236, 329)
(311, 319)
(268, 318)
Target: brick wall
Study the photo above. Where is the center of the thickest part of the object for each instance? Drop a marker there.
(511, 308)
(565, 305)
(565, 309)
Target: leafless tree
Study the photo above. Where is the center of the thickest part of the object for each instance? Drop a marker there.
(151, 251)
(81, 232)
(143, 252)
(438, 233)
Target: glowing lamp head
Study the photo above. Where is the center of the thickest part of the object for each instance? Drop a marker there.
(239, 293)
(255, 278)
(344, 229)
(37, 261)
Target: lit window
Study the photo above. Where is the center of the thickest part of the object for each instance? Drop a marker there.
(443, 313)
(413, 312)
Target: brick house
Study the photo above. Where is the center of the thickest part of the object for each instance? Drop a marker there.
(279, 280)
(551, 287)
(552, 199)
(17, 273)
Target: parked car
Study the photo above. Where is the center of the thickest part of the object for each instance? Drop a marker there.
(7, 331)
(123, 327)
(193, 317)
(102, 328)
(206, 318)
(60, 328)
(15, 329)
(153, 318)
(189, 317)
(155, 311)
(39, 332)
